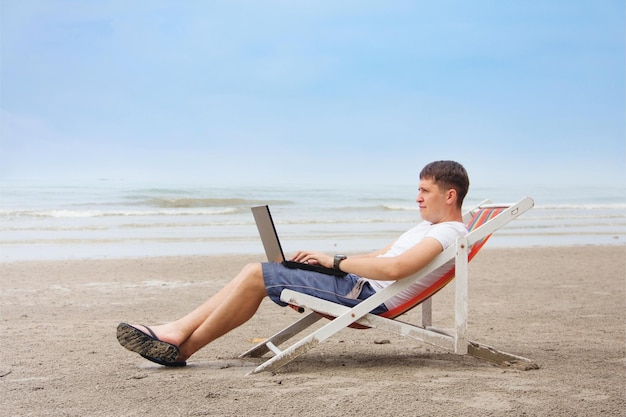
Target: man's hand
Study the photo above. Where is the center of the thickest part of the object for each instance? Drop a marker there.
(314, 258)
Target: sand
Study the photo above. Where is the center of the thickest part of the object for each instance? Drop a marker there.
(562, 307)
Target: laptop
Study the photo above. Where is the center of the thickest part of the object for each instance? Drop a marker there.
(274, 250)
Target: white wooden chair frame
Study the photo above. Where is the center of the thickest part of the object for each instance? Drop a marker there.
(455, 340)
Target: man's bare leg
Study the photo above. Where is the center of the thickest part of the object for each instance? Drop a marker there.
(232, 306)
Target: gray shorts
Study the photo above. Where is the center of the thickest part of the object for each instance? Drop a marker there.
(327, 287)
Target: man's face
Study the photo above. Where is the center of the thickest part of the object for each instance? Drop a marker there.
(432, 201)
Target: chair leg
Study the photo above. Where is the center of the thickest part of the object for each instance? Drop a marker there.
(427, 312)
(461, 297)
(282, 336)
(490, 354)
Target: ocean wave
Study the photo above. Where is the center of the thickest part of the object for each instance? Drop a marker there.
(352, 220)
(394, 207)
(179, 225)
(550, 217)
(537, 207)
(58, 214)
(207, 202)
(589, 206)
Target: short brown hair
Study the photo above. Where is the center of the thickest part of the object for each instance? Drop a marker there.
(448, 174)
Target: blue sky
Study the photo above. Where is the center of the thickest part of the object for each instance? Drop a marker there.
(521, 92)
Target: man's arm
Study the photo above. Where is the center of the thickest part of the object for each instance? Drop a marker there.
(381, 268)
(374, 254)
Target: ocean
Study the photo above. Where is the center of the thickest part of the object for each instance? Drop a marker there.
(116, 219)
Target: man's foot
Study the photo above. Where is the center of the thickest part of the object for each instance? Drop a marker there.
(148, 345)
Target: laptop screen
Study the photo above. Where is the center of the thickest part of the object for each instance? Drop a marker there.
(268, 234)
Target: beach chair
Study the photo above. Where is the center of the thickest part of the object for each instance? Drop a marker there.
(482, 221)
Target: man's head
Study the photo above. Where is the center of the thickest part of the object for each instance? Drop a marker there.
(448, 175)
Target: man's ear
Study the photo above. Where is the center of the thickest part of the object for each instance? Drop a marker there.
(451, 196)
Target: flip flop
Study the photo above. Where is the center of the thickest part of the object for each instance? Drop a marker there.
(147, 345)
(164, 363)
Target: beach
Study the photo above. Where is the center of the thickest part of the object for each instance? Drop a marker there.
(563, 307)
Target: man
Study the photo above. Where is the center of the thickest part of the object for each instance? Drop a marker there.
(442, 188)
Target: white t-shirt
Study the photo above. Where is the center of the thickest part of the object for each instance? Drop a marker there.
(445, 233)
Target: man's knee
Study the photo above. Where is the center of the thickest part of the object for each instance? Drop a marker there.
(253, 269)
(253, 274)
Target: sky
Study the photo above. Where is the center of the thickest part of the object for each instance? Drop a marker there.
(311, 92)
